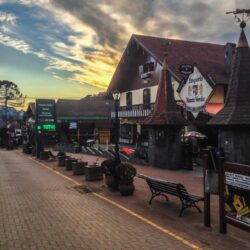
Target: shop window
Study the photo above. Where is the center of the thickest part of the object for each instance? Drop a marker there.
(146, 99)
(126, 131)
(129, 100)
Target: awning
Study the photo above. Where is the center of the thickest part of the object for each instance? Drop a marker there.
(214, 108)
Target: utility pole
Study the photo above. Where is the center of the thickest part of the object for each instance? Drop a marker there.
(5, 107)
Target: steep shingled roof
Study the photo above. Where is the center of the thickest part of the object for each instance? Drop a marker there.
(237, 106)
(209, 57)
(165, 110)
(89, 106)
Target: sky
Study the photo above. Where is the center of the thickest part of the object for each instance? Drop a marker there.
(70, 48)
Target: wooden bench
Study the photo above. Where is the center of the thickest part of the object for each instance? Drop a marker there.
(160, 187)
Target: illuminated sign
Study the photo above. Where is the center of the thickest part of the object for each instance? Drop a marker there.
(45, 115)
(46, 127)
(73, 125)
(195, 92)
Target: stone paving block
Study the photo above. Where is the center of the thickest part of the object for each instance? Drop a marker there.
(37, 211)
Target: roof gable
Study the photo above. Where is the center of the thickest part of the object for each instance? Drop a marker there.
(165, 110)
(237, 106)
(208, 57)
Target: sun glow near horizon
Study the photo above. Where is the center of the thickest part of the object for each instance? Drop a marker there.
(68, 49)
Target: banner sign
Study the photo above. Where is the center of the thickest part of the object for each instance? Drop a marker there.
(237, 195)
(195, 92)
(45, 115)
(238, 180)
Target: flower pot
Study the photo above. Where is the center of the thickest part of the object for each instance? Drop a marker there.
(126, 189)
(69, 163)
(93, 173)
(79, 168)
(111, 182)
(44, 155)
(61, 160)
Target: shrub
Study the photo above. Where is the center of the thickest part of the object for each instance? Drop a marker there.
(125, 173)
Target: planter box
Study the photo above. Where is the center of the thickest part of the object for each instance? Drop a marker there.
(79, 167)
(93, 173)
(69, 163)
(44, 155)
(61, 160)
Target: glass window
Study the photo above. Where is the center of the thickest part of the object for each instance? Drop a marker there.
(129, 100)
(146, 99)
(148, 67)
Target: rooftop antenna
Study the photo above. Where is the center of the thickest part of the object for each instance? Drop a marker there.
(244, 16)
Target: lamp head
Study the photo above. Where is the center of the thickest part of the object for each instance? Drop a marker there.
(116, 95)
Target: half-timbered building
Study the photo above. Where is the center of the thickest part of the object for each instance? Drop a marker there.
(137, 76)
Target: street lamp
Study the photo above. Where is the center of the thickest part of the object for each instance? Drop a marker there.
(116, 95)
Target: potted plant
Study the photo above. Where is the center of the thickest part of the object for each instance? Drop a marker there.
(69, 163)
(126, 173)
(93, 172)
(109, 169)
(78, 167)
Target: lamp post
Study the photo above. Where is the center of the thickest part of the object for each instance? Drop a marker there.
(116, 95)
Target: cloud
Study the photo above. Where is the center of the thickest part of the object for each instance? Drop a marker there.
(85, 38)
(88, 12)
(8, 18)
(15, 43)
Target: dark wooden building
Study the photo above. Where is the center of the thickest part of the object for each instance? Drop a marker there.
(80, 120)
(165, 126)
(234, 119)
(87, 118)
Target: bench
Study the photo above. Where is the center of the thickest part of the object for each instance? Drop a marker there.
(160, 187)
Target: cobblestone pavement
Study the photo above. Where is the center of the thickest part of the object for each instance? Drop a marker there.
(41, 210)
(165, 214)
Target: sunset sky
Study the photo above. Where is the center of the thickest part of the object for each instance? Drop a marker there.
(70, 48)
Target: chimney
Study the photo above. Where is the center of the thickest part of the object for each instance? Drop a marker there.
(229, 51)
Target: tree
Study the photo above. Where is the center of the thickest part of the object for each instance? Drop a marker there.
(10, 96)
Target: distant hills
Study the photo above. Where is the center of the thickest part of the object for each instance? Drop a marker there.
(12, 114)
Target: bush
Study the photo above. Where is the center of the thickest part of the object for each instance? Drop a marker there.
(125, 173)
(109, 166)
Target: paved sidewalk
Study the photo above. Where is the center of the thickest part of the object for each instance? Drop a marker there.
(41, 210)
(190, 226)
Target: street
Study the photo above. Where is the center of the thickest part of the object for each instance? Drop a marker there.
(42, 210)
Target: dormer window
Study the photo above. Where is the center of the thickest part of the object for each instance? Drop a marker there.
(146, 70)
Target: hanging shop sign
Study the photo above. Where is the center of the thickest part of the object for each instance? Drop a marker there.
(195, 92)
(45, 115)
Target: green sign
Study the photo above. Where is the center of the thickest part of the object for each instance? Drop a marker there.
(46, 127)
(45, 115)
